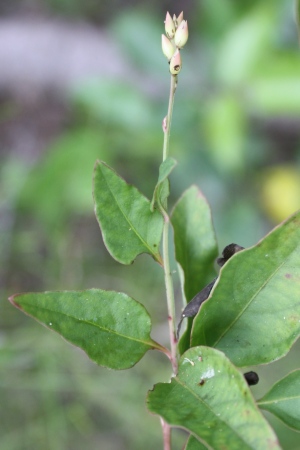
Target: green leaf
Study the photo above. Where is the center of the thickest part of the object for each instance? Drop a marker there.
(210, 398)
(283, 400)
(128, 226)
(253, 314)
(194, 444)
(184, 341)
(162, 191)
(112, 328)
(195, 240)
(195, 246)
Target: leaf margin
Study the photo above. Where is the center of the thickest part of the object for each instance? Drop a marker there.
(151, 344)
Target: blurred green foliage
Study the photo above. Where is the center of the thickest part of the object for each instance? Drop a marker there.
(236, 116)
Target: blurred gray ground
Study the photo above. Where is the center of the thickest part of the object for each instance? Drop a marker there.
(40, 60)
(38, 55)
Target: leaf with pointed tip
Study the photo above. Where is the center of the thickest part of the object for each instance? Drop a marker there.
(162, 190)
(211, 399)
(128, 226)
(195, 246)
(195, 240)
(112, 328)
(283, 400)
(253, 313)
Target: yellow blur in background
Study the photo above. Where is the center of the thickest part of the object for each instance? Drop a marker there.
(280, 191)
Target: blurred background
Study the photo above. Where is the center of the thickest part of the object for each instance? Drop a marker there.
(81, 81)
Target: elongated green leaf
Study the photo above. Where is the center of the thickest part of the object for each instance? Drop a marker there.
(195, 240)
(162, 190)
(194, 444)
(253, 314)
(210, 398)
(195, 246)
(112, 328)
(128, 226)
(283, 400)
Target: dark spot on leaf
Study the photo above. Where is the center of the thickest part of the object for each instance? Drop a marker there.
(288, 275)
(201, 382)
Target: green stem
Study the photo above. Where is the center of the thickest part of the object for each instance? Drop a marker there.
(167, 269)
(170, 297)
(168, 119)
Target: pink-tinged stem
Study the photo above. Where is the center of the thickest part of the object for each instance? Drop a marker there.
(166, 434)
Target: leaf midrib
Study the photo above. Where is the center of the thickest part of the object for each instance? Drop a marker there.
(281, 399)
(125, 216)
(249, 303)
(210, 409)
(91, 323)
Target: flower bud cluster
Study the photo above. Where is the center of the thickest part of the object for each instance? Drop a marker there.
(177, 35)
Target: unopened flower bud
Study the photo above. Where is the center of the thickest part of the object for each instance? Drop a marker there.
(179, 19)
(175, 63)
(167, 46)
(169, 26)
(182, 34)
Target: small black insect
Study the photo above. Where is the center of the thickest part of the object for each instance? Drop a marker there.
(193, 306)
(251, 378)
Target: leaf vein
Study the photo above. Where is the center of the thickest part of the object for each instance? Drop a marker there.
(248, 304)
(97, 326)
(278, 400)
(209, 408)
(127, 219)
